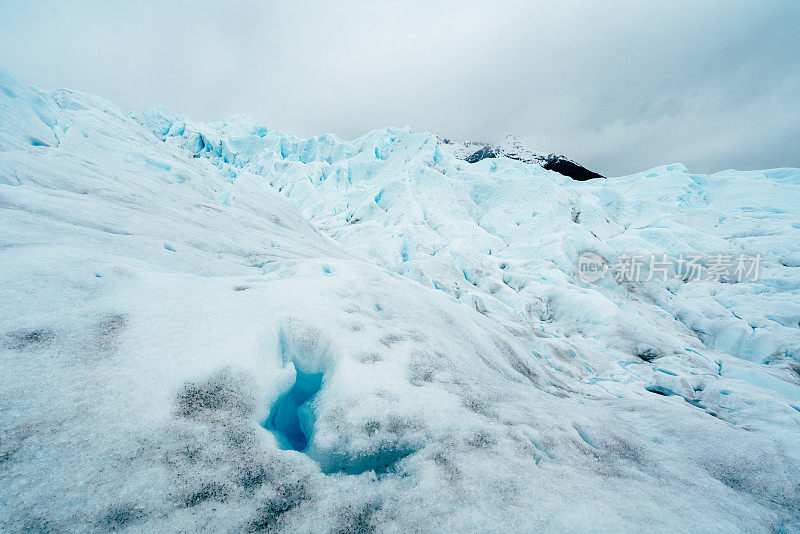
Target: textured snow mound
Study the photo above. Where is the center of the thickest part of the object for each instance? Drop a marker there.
(220, 327)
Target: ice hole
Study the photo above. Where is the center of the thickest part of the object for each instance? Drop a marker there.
(291, 418)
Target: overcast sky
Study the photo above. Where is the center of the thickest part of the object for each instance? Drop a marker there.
(619, 86)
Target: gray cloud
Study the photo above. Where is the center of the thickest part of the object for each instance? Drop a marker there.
(620, 87)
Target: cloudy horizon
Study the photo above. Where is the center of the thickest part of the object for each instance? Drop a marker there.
(714, 85)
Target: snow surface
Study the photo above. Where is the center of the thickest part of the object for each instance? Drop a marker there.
(220, 327)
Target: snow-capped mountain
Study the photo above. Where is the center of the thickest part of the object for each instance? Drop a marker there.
(221, 327)
(512, 148)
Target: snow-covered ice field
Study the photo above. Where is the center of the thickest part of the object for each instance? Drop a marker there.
(217, 327)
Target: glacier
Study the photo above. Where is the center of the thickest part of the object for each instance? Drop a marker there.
(219, 327)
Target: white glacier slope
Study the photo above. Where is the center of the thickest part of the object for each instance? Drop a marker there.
(217, 327)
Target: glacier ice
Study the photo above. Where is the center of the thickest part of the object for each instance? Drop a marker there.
(216, 326)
